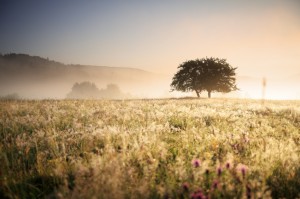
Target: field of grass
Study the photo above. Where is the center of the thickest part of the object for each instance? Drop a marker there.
(189, 148)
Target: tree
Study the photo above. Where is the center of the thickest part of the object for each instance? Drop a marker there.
(88, 90)
(84, 90)
(206, 74)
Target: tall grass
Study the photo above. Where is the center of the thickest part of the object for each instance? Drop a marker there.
(214, 148)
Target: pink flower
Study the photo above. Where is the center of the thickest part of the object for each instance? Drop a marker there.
(219, 171)
(243, 169)
(198, 195)
(185, 186)
(228, 165)
(215, 184)
(196, 163)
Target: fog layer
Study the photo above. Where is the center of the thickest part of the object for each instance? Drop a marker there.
(34, 77)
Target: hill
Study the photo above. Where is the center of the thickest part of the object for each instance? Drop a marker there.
(37, 77)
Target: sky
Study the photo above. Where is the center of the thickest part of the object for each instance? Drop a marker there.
(260, 37)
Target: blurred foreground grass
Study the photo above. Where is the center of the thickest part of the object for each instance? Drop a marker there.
(188, 148)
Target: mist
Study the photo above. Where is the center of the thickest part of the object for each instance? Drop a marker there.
(33, 77)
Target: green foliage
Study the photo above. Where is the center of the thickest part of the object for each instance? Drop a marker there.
(177, 123)
(149, 149)
(284, 182)
(34, 187)
(210, 74)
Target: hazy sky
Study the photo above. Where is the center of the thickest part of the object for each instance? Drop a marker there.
(260, 37)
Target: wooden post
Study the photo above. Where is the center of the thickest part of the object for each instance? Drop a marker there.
(264, 84)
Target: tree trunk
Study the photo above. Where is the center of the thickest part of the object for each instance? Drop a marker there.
(198, 94)
(209, 94)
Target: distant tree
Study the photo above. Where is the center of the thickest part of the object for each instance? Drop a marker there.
(206, 74)
(112, 91)
(84, 90)
(88, 90)
(12, 96)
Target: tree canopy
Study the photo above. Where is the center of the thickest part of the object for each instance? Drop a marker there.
(88, 90)
(206, 74)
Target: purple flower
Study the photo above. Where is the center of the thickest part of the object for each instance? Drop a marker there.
(248, 191)
(196, 163)
(219, 171)
(185, 186)
(228, 165)
(243, 170)
(207, 171)
(215, 184)
(198, 195)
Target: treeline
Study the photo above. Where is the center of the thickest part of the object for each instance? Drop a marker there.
(88, 90)
(25, 68)
(84, 90)
(27, 60)
(12, 96)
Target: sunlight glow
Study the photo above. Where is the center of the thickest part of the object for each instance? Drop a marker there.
(271, 93)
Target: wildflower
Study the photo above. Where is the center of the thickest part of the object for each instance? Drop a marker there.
(228, 166)
(196, 163)
(185, 187)
(248, 191)
(243, 169)
(166, 196)
(219, 171)
(198, 195)
(207, 171)
(215, 184)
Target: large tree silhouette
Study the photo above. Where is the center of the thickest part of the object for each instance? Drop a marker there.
(206, 74)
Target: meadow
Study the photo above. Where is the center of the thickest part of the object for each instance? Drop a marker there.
(172, 148)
